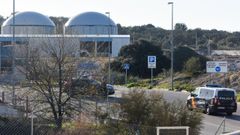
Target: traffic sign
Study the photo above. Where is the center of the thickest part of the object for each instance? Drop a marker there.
(126, 66)
(152, 61)
(217, 67)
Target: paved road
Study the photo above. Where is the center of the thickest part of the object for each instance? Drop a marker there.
(210, 123)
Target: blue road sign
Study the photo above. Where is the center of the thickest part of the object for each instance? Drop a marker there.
(217, 69)
(152, 61)
(126, 66)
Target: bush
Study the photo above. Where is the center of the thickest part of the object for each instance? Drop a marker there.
(118, 78)
(141, 113)
(193, 66)
(238, 97)
(132, 79)
(182, 54)
(183, 86)
(164, 85)
(130, 85)
(139, 84)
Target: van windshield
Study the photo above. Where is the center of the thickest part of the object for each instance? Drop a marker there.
(226, 93)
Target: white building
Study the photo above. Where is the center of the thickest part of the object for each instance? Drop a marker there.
(92, 32)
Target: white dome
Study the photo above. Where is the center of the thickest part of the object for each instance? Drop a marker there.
(29, 23)
(90, 23)
(89, 18)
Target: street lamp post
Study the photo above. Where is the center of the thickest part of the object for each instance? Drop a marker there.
(171, 3)
(109, 55)
(109, 50)
(13, 54)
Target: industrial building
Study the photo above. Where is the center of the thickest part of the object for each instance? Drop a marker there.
(92, 32)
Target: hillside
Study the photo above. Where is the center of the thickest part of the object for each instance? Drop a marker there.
(198, 38)
(230, 80)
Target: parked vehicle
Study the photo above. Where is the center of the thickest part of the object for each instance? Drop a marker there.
(110, 89)
(213, 99)
(89, 87)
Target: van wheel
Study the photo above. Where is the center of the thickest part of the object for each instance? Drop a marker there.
(229, 113)
(208, 111)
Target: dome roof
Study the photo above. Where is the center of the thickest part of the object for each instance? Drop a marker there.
(29, 18)
(90, 18)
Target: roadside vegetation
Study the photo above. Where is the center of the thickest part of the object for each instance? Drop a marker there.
(238, 97)
(141, 113)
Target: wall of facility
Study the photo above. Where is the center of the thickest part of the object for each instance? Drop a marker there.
(118, 43)
(91, 30)
(28, 30)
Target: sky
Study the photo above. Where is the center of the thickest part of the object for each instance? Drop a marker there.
(204, 14)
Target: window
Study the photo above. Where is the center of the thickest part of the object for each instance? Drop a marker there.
(206, 93)
(209, 94)
(196, 91)
(225, 93)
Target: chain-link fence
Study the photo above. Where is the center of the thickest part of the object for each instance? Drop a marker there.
(23, 115)
(16, 126)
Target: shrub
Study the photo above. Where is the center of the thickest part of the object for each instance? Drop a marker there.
(184, 86)
(141, 113)
(193, 66)
(139, 84)
(238, 97)
(132, 79)
(182, 54)
(164, 85)
(130, 85)
(118, 78)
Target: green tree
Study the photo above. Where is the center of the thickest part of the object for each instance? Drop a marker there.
(136, 55)
(181, 56)
(180, 26)
(1, 21)
(193, 66)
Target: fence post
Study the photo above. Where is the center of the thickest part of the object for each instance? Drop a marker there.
(27, 107)
(80, 108)
(32, 122)
(187, 132)
(158, 131)
(3, 98)
(224, 125)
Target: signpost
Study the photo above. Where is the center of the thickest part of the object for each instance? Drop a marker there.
(126, 66)
(217, 67)
(152, 64)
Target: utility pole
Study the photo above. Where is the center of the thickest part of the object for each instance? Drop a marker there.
(109, 50)
(109, 60)
(196, 41)
(171, 3)
(13, 56)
